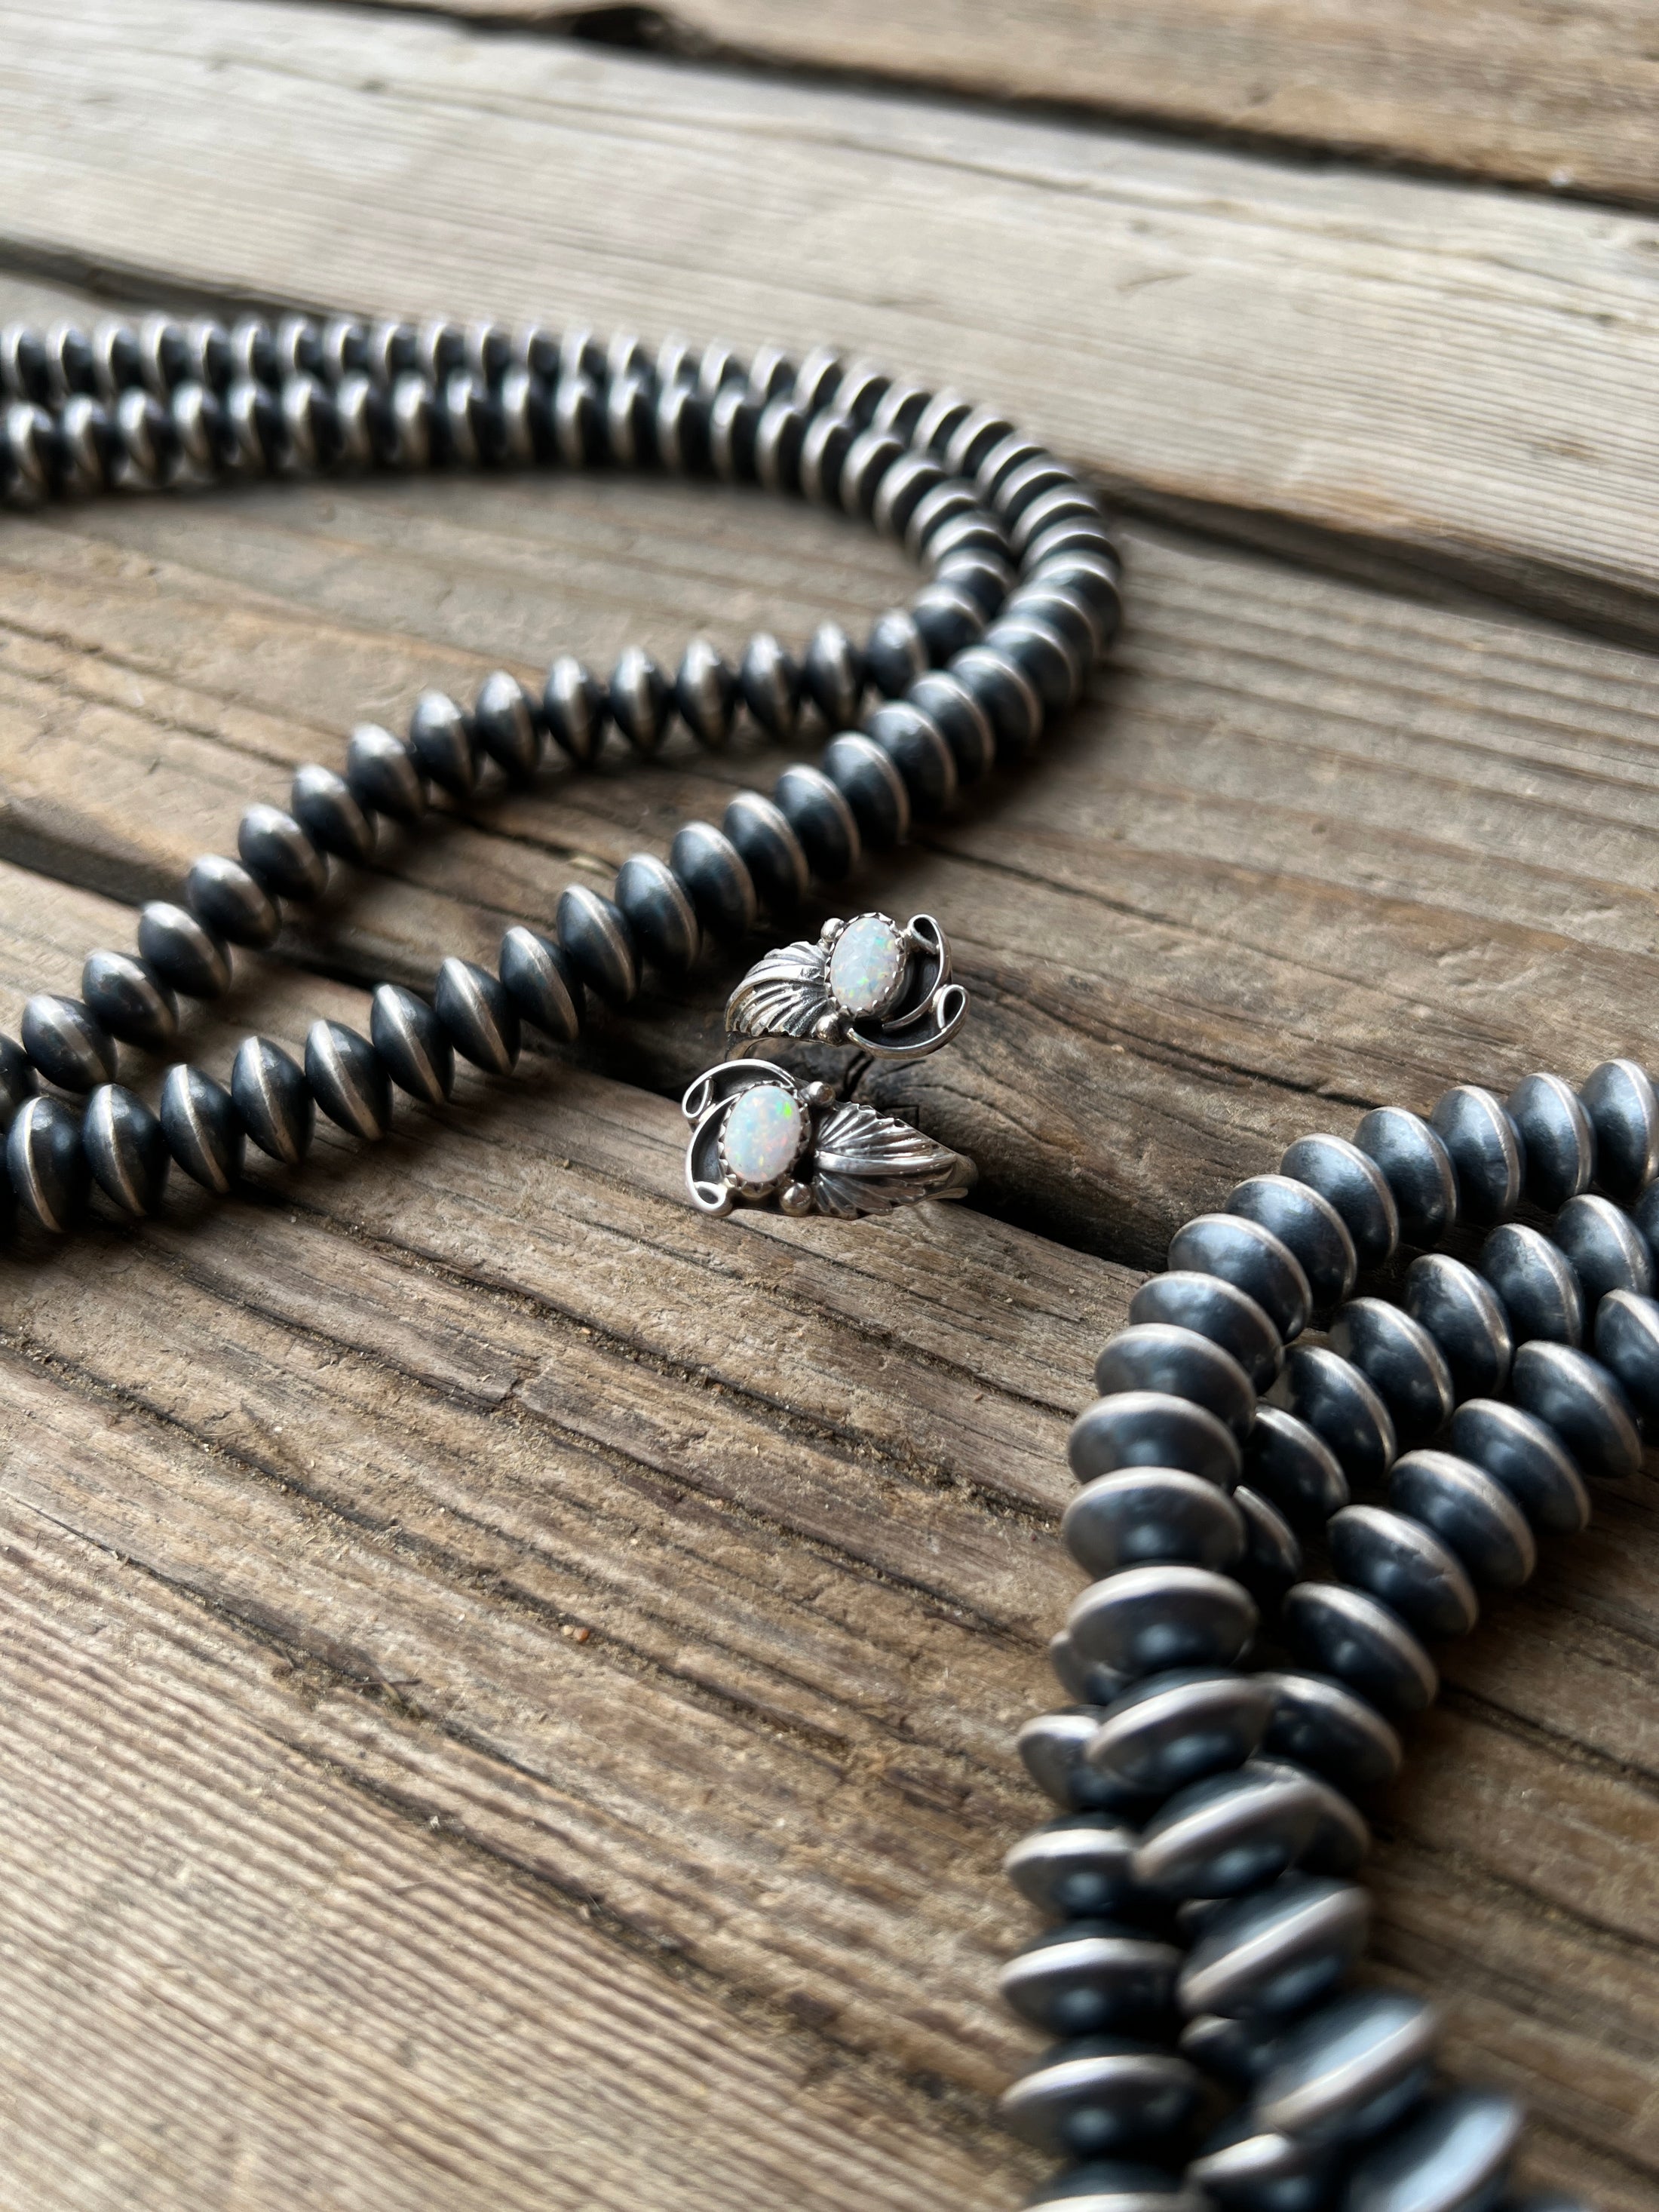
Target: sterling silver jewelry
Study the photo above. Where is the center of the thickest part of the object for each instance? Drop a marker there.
(760, 1137)
(1203, 1923)
(865, 982)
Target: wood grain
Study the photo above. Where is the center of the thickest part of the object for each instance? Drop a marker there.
(339, 1465)
(1512, 89)
(1458, 377)
(1312, 848)
(511, 1688)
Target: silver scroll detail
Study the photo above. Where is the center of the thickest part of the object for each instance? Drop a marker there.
(896, 1002)
(760, 1137)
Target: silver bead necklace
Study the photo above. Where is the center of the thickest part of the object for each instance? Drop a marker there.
(1229, 1719)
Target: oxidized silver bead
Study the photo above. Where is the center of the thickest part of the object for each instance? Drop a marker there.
(128, 1001)
(126, 1148)
(273, 1099)
(203, 1130)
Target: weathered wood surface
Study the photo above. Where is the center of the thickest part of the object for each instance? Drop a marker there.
(1513, 90)
(1461, 377)
(337, 1869)
(328, 1473)
(1313, 846)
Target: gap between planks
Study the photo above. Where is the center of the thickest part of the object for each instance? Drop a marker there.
(1510, 92)
(1311, 848)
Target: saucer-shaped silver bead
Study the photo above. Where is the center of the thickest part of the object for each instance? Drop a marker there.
(715, 880)
(1623, 1111)
(411, 1041)
(1141, 1516)
(705, 691)
(231, 901)
(1051, 1747)
(1557, 1146)
(1605, 1248)
(1101, 2093)
(1175, 1729)
(1278, 1952)
(1323, 1725)
(327, 810)
(1363, 1642)
(1218, 1310)
(576, 708)
(769, 680)
(1348, 2070)
(129, 1002)
(204, 1132)
(1229, 1832)
(274, 1100)
(17, 1079)
(183, 951)
(867, 780)
(660, 916)
(69, 1047)
(1451, 2157)
(1091, 1976)
(594, 936)
(1477, 1517)
(1355, 1186)
(1309, 1225)
(443, 742)
(276, 851)
(478, 1014)
(1293, 1468)
(1403, 1562)
(1401, 1360)
(832, 676)
(46, 1164)
(1342, 1406)
(1077, 1867)
(1148, 1428)
(1147, 1618)
(382, 775)
(542, 982)
(125, 1147)
(1536, 1284)
(1486, 1152)
(1583, 1401)
(1417, 1168)
(771, 851)
(819, 812)
(1161, 1356)
(952, 710)
(1526, 1456)
(1243, 1253)
(349, 1079)
(1460, 1311)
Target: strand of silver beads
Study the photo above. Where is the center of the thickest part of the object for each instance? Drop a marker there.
(1232, 1718)
(1021, 596)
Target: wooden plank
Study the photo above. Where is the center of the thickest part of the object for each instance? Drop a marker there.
(1472, 370)
(352, 1454)
(1293, 861)
(234, 1977)
(1511, 89)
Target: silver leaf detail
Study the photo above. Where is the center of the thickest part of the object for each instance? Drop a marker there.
(786, 994)
(864, 1162)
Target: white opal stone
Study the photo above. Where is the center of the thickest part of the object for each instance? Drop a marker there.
(867, 967)
(763, 1136)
